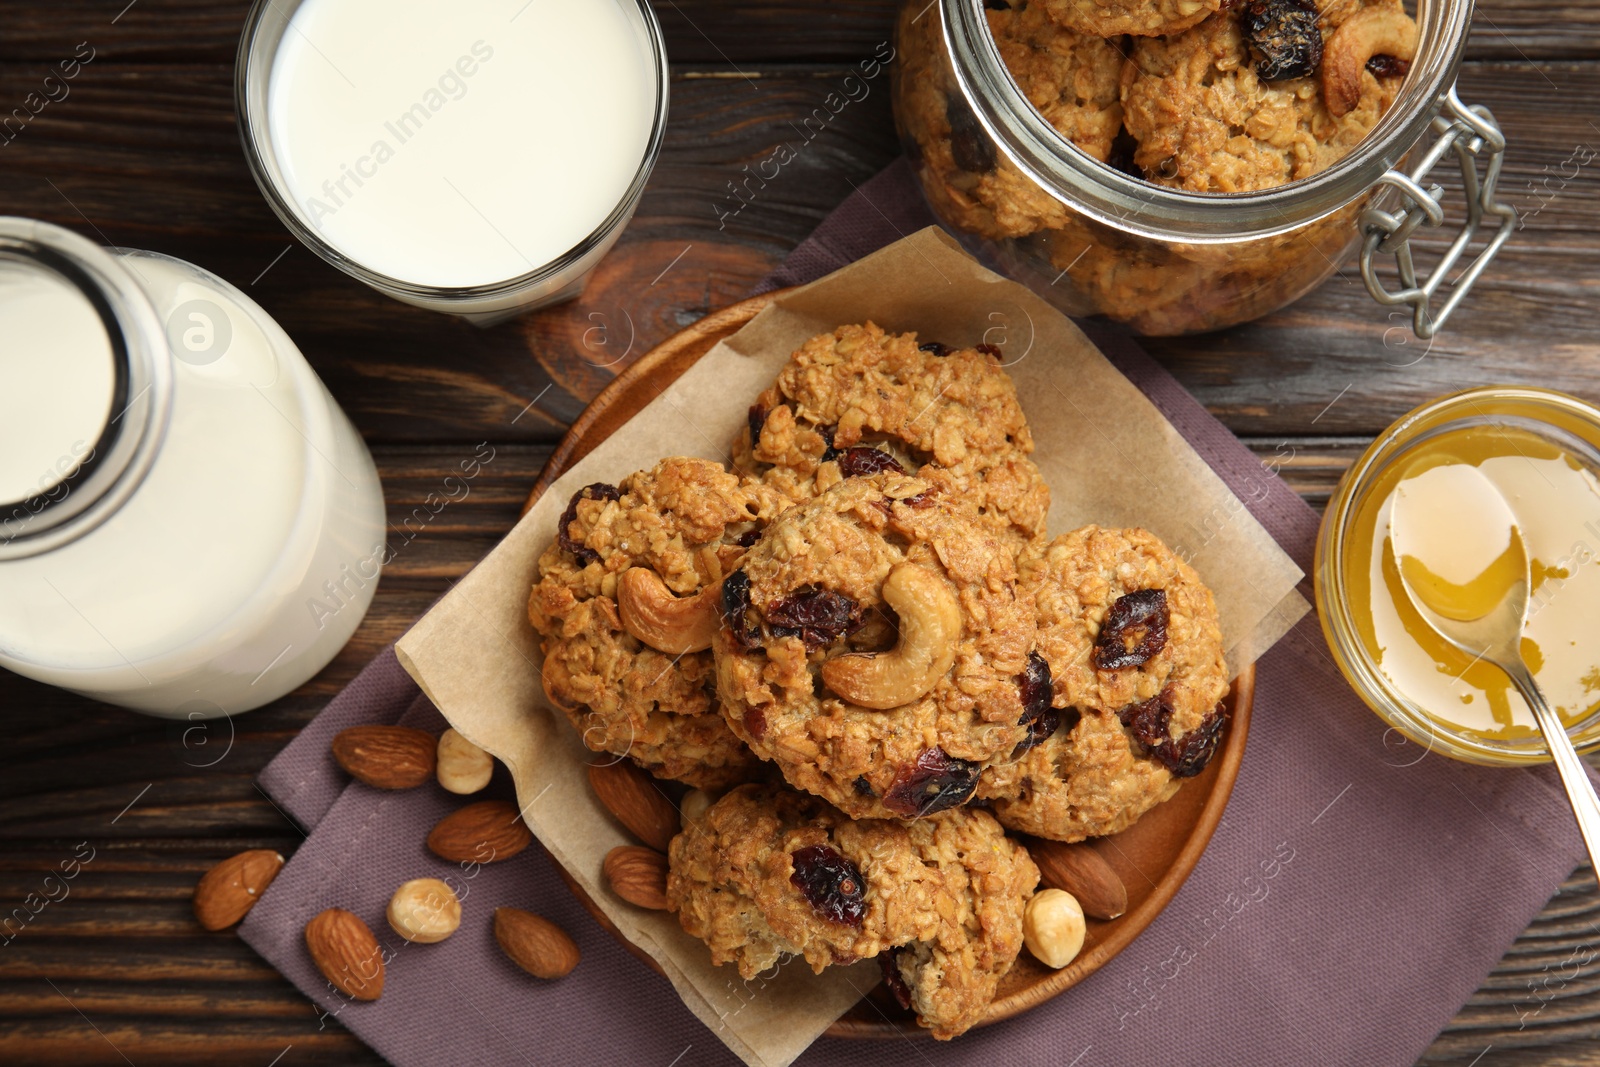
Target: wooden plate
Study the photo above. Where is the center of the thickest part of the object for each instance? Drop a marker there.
(1153, 857)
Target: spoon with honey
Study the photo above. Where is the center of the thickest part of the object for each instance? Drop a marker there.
(1463, 564)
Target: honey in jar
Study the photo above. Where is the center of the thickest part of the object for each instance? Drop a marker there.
(1472, 556)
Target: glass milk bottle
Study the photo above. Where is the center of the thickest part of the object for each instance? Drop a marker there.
(189, 525)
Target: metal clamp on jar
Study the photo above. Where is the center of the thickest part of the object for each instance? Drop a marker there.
(1062, 206)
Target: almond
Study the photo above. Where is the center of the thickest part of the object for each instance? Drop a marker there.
(638, 875)
(386, 757)
(1080, 870)
(346, 953)
(485, 832)
(231, 888)
(631, 794)
(534, 943)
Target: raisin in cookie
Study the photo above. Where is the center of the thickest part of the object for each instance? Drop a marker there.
(1135, 659)
(859, 400)
(872, 647)
(1267, 93)
(767, 872)
(1146, 18)
(625, 639)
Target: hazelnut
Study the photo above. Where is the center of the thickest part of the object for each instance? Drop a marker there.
(462, 767)
(693, 807)
(1053, 927)
(424, 910)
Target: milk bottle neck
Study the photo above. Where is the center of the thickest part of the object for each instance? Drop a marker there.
(86, 385)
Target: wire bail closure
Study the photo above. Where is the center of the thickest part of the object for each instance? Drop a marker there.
(1471, 133)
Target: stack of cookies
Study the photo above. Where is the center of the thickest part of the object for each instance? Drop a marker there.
(1205, 96)
(859, 643)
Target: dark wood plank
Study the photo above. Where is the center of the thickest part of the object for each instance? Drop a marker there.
(696, 31)
(147, 157)
(78, 164)
(144, 152)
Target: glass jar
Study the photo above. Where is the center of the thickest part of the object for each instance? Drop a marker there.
(473, 158)
(1357, 582)
(189, 524)
(1096, 240)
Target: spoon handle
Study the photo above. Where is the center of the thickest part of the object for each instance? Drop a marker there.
(1585, 804)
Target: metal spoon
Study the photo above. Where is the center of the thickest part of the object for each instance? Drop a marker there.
(1496, 635)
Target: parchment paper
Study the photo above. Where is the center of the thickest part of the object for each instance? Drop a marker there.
(1107, 453)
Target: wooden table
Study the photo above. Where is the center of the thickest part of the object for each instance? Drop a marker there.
(143, 152)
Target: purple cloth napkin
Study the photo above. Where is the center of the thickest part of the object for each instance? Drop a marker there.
(1356, 893)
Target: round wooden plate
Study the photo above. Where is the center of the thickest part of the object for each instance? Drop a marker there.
(1153, 857)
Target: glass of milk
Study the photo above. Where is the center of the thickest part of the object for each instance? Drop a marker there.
(476, 157)
(189, 525)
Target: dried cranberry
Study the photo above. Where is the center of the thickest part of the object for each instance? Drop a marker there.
(1147, 720)
(1039, 728)
(828, 451)
(749, 538)
(735, 608)
(832, 884)
(1185, 756)
(934, 783)
(992, 351)
(1037, 714)
(755, 722)
(583, 553)
(935, 348)
(819, 617)
(860, 461)
(1388, 67)
(862, 787)
(1134, 630)
(1285, 34)
(1045, 726)
(1189, 754)
(923, 499)
(1033, 685)
(889, 961)
(969, 144)
(757, 418)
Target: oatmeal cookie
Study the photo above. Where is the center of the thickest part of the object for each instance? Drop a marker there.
(945, 144)
(1145, 18)
(1135, 656)
(682, 522)
(767, 872)
(1072, 79)
(1241, 102)
(872, 648)
(948, 415)
(1185, 288)
(950, 979)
